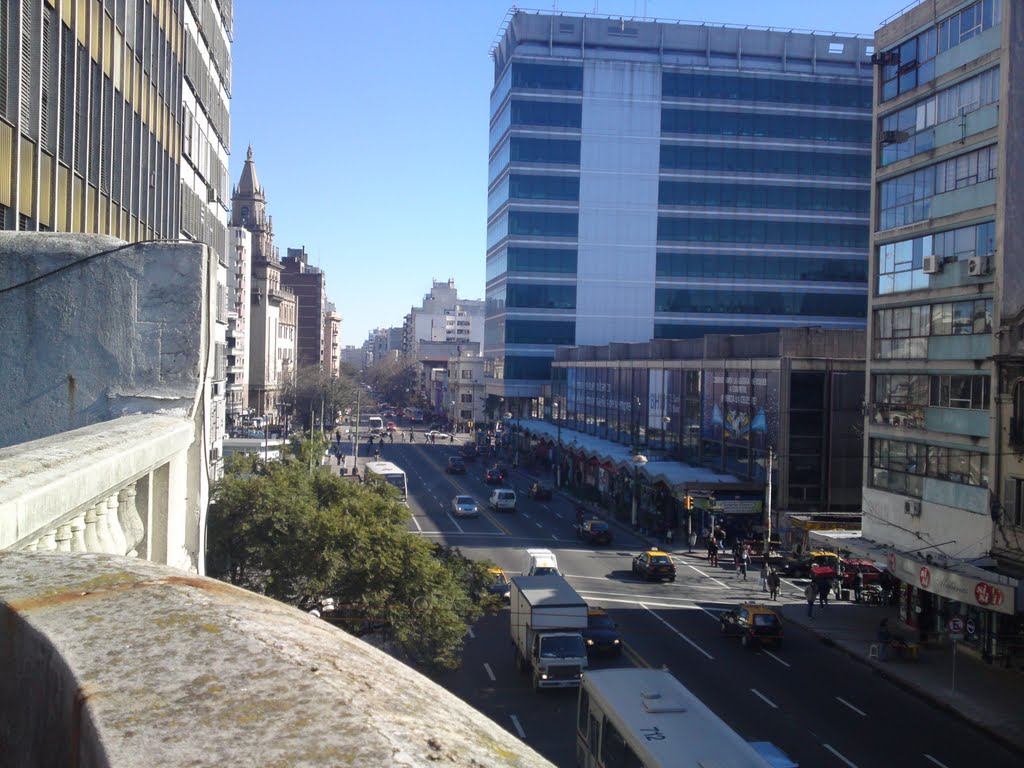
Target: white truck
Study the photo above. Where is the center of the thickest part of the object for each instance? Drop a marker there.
(548, 617)
(540, 562)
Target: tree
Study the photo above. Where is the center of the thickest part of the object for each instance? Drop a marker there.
(314, 392)
(282, 531)
(392, 381)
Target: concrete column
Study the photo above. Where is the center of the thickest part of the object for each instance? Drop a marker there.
(78, 534)
(176, 502)
(157, 530)
(47, 542)
(117, 538)
(63, 538)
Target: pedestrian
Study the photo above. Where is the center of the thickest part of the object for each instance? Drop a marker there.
(744, 558)
(668, 537)
(337, 435)
(810, 592)
(824, 587)
(391, 437)
(764, 577)
(858, 585)
(712, 551)
(451, 439)
(774, 582)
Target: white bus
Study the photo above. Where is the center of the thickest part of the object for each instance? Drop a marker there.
(645, 718)
(391, 474)
(376, 423)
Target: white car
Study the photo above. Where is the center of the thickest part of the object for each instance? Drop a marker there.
(465, 506)
(503, 500)
(435, 435)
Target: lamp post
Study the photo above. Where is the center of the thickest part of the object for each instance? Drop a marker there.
(455, 417)
(638, 461)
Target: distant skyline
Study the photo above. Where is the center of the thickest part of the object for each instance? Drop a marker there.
(369, 124)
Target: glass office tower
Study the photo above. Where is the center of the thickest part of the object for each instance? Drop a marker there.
(655, 180)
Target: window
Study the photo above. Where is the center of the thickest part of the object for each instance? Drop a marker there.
(808, 304)
(899, 466)
(540, 296)
(540, 332)
(960, 392)
(467, 374)
(762, 125)
(543, 224)
(764, 267)
(902, 332)
(466, 397)
(900, 263)
(549, 77)
(702, 85)
(541, 260)
(758, 160)
(544, 187)
(547, 113)
(525, 367)
(791, 198)
(690, 229)
(552, 151)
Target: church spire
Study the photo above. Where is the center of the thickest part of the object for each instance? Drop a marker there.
(249, 184)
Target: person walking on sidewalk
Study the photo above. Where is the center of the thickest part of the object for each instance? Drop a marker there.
(764, 576)
(858, 585)
(824, 587)
(810, 592)
(774, 582)
(712, 551)
(743, 558)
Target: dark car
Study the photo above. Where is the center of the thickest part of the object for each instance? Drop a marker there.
(540, 492)
(501, 587)
(594, 532)
(654, 564)
(456, 466)
(601, 634)
(494, 476)
(469, 452)
(753, 624)
(800, 566)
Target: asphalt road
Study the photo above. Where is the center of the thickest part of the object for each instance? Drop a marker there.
(815, 703)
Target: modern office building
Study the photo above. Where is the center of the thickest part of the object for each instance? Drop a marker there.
(658, 180)
(114, 118)
(943, 473)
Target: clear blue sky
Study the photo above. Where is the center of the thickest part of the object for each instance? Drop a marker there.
(368, 122)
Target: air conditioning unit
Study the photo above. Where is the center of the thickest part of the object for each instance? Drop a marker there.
(931, 265)
(977, 266)
(883, 58)
(912, 508)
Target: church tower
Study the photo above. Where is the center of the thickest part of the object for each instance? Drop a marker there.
(249, 210)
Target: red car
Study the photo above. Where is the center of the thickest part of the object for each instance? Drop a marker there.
(871, 572)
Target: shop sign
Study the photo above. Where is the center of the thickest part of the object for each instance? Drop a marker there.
(955, 586)
(739, 506)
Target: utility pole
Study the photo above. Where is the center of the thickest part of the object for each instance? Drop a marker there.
(768, 509)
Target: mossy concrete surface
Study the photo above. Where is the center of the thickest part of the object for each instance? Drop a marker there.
(116, 661)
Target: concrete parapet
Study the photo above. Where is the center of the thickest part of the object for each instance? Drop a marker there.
(110, 661)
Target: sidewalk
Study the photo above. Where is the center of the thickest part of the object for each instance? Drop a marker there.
(988, 697)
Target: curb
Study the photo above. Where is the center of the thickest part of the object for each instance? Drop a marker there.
(913, 688)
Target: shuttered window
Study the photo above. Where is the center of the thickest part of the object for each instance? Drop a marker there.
(27, 65)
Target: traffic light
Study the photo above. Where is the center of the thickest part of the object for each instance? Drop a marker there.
(689, 502)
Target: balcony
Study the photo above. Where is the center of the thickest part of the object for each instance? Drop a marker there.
(113, 661)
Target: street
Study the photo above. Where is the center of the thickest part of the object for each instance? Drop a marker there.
(819, 706)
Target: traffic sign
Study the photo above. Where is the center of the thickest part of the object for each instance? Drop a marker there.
(969, 626)
(956, 628)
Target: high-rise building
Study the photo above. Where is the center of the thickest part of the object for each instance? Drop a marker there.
(442, 316)
(659, 180)
(239, 297)
(309, 285)
(944, 481)
(114, 118)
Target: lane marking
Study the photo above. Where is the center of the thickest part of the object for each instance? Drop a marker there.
(858, 711)
(638, 599)
(450, 517)
(518, 727)
(826, 746)
(555, 537)
(680, 634)
(764, 698)
(417, 522)
(558, 514)
(707, 575)
(469, 631)
(941, 765)
(538, 525)
(490, 674)
(785, 663)
(525, 515)
(634, 657)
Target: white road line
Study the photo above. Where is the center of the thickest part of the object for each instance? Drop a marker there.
(826, 746)
(784, 663)
(417, 522)
(638, 599)
(558, 514)
(555, 537)
(518, 727)
(490, 674)
(942, 765)
(455, 523)
(707, 575)
(538, 525)
(764, 698)
(680, 634)
(469, 631)
(858, 711)
(525, 515)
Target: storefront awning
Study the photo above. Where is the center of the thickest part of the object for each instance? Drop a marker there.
(963, 582)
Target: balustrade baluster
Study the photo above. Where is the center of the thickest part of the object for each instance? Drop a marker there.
(78, 534)
(117, 538)
(131, 523)
(47, 542)
(63, 538)
(95, 529)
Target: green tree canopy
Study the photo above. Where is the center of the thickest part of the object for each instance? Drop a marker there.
(283, 531)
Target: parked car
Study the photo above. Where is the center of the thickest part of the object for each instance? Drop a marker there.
(455, 466)
(754, 625)
(501, 586)
(602, 634)
(654, 564)
(800, 566)
(540, 492)
(503, 500)
(594, 532)
(494, 476)
(465, 506)
(872, 573)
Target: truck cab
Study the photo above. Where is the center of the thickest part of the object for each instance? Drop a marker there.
(547, 621)
(540, 562)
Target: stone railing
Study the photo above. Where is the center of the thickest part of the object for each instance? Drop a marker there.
(119, 487)
(112, 661)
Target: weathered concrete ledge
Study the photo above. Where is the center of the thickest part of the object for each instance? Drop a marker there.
(113, 661)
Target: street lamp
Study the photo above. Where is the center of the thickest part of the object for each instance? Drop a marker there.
(638, 461)
(455, 417)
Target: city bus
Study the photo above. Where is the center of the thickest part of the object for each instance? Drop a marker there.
(376, 424)
(646, 718)
(391, 474)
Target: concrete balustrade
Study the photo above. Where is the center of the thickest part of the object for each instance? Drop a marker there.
(115, 487)
(116, 661)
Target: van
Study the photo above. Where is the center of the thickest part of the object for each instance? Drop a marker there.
(503, 500)
(540, 562)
